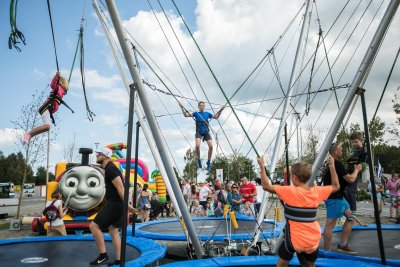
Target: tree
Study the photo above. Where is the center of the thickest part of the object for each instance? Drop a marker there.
(71, 151)
(233, 166)
(311, 145)
(35, 151)
(396, 106)
(190, 170)
(40, 178)
(389, 157)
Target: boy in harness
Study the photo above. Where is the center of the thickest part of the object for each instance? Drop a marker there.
(202, 119)
(59, 88)
(302, 231)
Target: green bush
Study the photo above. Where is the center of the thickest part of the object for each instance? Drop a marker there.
(363, 195)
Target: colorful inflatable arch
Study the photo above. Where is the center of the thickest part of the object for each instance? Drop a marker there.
(161, 189)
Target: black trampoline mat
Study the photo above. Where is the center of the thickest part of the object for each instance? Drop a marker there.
(365, 242)
(59, 253)
(205, 227)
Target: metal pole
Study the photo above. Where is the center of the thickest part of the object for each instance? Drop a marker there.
(127, 175)
(362, 70)
(371, 178)
(287, 156)
(135, 177)
(154, 128)
(293, 75)
(141, 117)
(48, 158)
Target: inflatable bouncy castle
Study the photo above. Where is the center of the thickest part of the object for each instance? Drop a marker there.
(83, 187)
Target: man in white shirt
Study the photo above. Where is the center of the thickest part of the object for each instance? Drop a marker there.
(185, 187)
(204, 192)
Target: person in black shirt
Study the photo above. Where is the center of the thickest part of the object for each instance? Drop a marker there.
(111, 215)
(336, 204)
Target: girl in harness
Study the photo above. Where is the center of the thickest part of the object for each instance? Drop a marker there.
(302, 232)
(59, 88)
(202, 118)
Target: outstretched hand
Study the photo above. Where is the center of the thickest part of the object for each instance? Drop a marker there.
(58, 74)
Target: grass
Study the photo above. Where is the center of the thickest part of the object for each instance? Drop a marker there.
(5, 226)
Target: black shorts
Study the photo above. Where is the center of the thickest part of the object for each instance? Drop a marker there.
(110, 214)
(206, 136)
(287, 256)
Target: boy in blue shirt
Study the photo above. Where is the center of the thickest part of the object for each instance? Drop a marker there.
(202, 118)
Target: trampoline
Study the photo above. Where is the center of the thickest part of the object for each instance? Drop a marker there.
(207, 229)
(250, 261)
(364, 240)
(74, 251)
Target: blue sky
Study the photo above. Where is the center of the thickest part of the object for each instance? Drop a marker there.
(234, 35)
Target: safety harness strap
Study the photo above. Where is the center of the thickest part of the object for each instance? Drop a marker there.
(300, 214)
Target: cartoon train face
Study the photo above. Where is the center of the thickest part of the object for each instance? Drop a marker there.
(83, 187)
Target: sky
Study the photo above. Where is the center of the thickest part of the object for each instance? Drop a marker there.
(233, 37)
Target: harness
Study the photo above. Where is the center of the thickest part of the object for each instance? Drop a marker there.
(49, 104)
(299, 215)
(201, 126)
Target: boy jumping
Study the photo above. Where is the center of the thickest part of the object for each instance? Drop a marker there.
(202, 119)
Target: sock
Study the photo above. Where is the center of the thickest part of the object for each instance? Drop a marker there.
(343, 243)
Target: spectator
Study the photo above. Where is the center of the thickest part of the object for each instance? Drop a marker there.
(204, 192)
(247, 191)
(234, 198)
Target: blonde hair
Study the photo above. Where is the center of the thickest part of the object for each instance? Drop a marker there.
(63, 83)
(302, 170)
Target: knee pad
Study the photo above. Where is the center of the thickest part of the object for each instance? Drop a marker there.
(352, 217)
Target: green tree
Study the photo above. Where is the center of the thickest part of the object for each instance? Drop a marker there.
(190, 170)
(40, 178)
(311, 145)
(35, 150)
(389, 157)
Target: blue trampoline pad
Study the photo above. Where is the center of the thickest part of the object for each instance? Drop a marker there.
(73, 251)
(257, 261)
(216, 229)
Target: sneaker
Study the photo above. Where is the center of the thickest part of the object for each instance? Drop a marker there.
(26, 138)
(199, 164)
(100, 261)
(346, 249)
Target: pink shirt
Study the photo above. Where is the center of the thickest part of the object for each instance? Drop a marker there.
(392, 186)
(60, 91)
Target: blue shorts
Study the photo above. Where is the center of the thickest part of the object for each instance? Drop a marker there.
(335, 208)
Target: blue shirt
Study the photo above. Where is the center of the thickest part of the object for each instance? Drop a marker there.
(202, 119)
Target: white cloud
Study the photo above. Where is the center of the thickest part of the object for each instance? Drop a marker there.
(116, 96)
(8, 137)
(108, 119)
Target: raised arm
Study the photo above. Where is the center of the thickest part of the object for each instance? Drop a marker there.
(334, 177)
(265, 181)
(218, 114)
(185, 112)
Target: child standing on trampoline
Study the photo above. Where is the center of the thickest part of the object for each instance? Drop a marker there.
(302, 231)
(59, 88)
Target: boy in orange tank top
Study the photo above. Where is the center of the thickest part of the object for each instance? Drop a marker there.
(302, 232)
